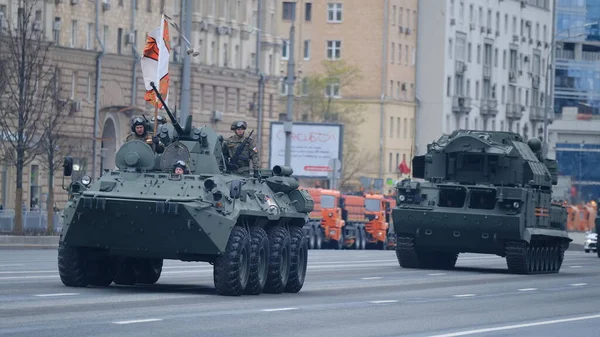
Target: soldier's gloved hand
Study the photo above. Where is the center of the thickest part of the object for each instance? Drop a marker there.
(155, 140)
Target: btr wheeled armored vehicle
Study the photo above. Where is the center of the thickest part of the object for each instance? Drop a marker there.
(121, 227)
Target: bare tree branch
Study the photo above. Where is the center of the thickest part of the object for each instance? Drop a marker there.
(26, 91)
(320, 103)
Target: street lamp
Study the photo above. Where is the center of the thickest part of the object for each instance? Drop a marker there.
(551, 73)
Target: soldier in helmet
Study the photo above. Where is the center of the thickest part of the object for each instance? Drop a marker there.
(160, 118)
(140, 131)
(249, 152)
(180, 167)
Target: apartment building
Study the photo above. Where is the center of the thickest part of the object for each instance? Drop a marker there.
(224, 76)
(482, 66)
(379, 37)
(575, 133)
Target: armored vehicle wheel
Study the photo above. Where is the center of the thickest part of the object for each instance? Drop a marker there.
(125, 272)
(299, 260)
(279, 260)
(535, 258)
(100, 271)
(232, 269)
(72, 266)
(259, 261)
(147, 271)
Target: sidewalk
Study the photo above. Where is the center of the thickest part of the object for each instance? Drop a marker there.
(51, 242)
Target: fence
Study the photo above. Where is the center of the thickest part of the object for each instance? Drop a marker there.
(34, 222)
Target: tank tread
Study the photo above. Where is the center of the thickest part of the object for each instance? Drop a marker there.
(535, 258)
(409, 257)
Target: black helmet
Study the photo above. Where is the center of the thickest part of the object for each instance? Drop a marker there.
(239, 125)
(138, 121)
(161, 119)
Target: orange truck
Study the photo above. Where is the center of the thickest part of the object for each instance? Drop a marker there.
(351, 221)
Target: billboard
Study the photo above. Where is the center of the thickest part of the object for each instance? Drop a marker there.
(313, 146)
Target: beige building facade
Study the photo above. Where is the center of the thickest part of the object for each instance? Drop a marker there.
(224, 77)
(379, 37)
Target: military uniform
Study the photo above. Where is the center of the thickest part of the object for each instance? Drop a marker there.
(146, 137)
(249, 152)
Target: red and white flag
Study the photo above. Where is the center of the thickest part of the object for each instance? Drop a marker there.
(155, 63)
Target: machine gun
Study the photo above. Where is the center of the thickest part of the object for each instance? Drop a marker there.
(231, 164)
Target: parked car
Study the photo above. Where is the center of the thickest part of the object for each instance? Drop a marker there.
(591, 241)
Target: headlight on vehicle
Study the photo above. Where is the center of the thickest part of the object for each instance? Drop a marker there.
(401, 197)
(516, 205)
(86, 180)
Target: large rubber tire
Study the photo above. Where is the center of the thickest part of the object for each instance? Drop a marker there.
(125, 272)
(259, 261)
(100, 271)
(232, 269)
(72, 266)
(279, 260)
(147, 271)
(299, 260)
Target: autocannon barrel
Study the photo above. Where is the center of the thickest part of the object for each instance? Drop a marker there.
(280, 170)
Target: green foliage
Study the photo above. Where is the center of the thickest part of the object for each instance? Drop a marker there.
(320, 91)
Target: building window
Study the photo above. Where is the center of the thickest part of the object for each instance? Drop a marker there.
(334, 50)
(334, 12)
(73, 33)
(308, 11)
(391, 127)
(448, 86)
(288, 10)
(285, 50)
(333, 90)
(307, 49)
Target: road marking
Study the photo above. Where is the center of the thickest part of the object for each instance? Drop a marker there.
(279, 309)
(26, 277)
(465, 295)
(139, 321)
(579, 284)
(59, 294)
(437, 274)
(575, 267)
(517, 326)
(528, 289)
(383, 301)
(372, 278)
(12, 265)
(28, 272)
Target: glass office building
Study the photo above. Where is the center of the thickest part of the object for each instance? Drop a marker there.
(577, 81)
(577, 88)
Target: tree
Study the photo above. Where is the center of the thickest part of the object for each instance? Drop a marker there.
(55, 143)
(320, 102)
(25, 91)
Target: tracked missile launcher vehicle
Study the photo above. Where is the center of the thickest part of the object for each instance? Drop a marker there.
(121, 227)
(481, 192)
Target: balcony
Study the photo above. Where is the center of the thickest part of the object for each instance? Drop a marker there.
(487, 71)
(512, 76)
(489, 107)
(460, 67)
(514, 111)
(536, 114)
(461, 104)
(535, 81)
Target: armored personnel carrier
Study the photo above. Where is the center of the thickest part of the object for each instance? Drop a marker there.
(481, 192)
(121, 227)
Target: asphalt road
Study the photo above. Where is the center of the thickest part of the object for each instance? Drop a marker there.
(346, 293)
